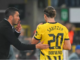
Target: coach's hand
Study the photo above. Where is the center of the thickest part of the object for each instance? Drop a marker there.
(18, 27)
(42, 46)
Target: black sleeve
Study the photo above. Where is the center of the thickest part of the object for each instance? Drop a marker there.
(66, 39)
(10, 36)
(16, 34)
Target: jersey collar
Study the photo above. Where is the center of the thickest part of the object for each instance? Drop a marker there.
(52, 22)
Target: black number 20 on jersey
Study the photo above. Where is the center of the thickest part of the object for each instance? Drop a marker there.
(55, 38)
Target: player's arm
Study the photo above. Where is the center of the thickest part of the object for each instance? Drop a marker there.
(34, 40)
(37, 36)
(67, 44)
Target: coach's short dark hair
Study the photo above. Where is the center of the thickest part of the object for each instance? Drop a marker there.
(50, 11)
(10, 11)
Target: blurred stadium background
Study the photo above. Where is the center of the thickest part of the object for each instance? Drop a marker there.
(31, 14)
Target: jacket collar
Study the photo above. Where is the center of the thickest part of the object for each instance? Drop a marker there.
(8, 23)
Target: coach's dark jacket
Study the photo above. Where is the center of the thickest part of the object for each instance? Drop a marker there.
(7, 37)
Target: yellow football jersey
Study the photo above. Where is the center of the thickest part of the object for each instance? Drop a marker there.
(53, 34)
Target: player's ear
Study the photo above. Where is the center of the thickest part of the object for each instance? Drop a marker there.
(54, 16)
(44, 16)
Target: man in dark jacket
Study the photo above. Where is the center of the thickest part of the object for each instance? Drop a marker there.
(9, 36)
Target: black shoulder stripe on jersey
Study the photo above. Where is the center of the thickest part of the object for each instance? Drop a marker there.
(66, 39)
(36, 38)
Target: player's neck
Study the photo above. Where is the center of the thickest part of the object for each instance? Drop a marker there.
(51, 20)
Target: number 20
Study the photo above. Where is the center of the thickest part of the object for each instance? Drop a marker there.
(55, 38)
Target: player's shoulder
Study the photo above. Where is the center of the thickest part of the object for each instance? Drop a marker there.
(39, 26)
(62, 26)
(42, 25)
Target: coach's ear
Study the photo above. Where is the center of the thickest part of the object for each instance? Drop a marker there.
(11, 17)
